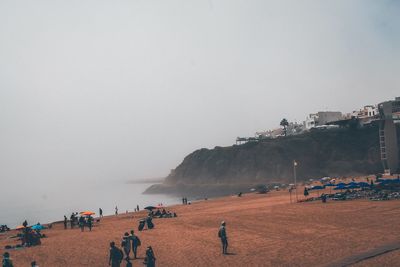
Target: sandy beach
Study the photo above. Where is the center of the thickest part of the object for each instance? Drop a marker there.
(263, 230)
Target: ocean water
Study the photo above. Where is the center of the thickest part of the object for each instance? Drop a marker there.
(49, 203)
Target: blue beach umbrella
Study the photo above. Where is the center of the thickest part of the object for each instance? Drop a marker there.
(37, 227)
(363, 184)
(340, 187)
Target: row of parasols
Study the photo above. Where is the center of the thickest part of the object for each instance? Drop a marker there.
(354, 185)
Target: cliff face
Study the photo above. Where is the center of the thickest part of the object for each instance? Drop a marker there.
(319, 153)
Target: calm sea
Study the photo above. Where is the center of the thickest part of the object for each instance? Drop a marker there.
(42, 203)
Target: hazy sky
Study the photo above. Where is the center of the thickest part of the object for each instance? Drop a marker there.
(125, 89)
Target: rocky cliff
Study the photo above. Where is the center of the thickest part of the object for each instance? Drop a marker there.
(339, 152)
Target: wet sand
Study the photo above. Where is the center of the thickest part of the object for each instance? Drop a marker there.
(263, 230)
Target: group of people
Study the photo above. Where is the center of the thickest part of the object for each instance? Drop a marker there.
(7, 262)
(184, 201)
(4, 228)
(82, 221)
(147, 221)
(130, 242)
(162, 214)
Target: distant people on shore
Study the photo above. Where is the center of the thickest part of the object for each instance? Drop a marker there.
(306, 192)
(25, 224)
(150, 259)
(116, 210)
(224, 239)
(137, 208)
(65, 222)
(82, 223)
(323, 198)
(7, 262)
(184, 201)
(135, 243)
(100, 213)
(142, 223)
(116, 256)
(4, 228)
(89, 221)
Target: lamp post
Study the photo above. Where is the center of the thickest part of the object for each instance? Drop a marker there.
(295, 178)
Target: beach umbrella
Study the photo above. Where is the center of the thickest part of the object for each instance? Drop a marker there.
(317, 187)
(341, 184)
(363, 184)
(87, 213)
(37, 227)
(150, 208)
(353, 186)
(340, 187)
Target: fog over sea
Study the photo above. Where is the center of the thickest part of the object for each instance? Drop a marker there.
(39, 203)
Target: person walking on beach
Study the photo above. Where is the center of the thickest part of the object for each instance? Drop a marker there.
(100, 213)
(65, 222)
(135, 243)
(7, 262)
(224, 239)
(82, 223)
(90, 222)
(126, 245)
(137, 207)
(150, 259)
(116, 210)
(116, 256)
(25, 224)
(72, 218)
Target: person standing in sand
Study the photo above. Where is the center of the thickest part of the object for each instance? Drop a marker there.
(100, 213)
(116, 210)
(150, 259)
(116, 256)
(224, 239)
(135, 243)
(7, 262)
(65, 222)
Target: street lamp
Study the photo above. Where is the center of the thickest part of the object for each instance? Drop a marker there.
(295, 178)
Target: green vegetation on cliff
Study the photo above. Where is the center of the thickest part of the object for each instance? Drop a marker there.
(339, 152)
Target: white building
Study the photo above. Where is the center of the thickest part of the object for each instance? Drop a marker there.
(322, 118)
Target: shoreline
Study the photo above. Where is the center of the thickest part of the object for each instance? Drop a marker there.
(263, 230)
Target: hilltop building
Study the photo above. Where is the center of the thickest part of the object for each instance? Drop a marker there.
(322, 118)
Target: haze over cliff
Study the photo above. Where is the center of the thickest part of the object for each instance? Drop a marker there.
(339, 152)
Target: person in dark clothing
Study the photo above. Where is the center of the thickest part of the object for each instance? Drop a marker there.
(149, 222)
(150, 259)
(33, 264)
(90, 222)
(126, 245)
(224, 239)
(72, 218)
(323, 198)
(305, 192)
(82, 223)
(116, 256)
(137, 207)
(65, 222)
(116, 210)
(7, 262)
(25, 224)
(135, 243)
(100, 213)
